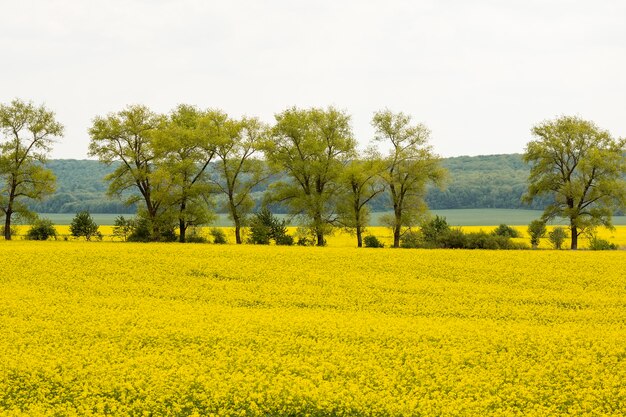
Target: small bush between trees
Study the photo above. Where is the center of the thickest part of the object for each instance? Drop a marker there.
(42, 229)
(372, 242)
(437, 233)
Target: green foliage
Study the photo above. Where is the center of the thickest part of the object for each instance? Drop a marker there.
(596, 243)
(218, 236)
(26, 136)
(557, 236)
(434, 228)
(411, 240)
(266, 227)
(123, 227)
(42, 229)
(452, 238)
(83, 226)
(372, 241)
(581, 167)
(536, 230)
(145, 227)
(507, 231)
(410, 167)
(239, 172)
(310, 146)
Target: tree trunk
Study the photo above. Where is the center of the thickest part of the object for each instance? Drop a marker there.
(320, 237)
(182, 231)
(396, 236)
(574, 231)
(7, 224)
(359, 237)
(238, 231)
(397, 228)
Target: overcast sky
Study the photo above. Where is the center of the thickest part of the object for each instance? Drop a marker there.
(479, 74)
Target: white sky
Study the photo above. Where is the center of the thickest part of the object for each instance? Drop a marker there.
(479, 74)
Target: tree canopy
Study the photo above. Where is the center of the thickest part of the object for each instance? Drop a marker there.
(581, 167)
(28, 132)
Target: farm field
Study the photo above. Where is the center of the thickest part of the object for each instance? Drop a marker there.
(93, 328)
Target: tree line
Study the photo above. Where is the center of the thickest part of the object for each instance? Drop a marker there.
(488, 181)
(161, 163)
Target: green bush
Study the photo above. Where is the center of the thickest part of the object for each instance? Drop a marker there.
(433, 229)
(536, 231)
(265, 227)
(372, 241)
(452, 239)
(218, 236)
(596, 243)
(284, 240)
(83, 226)
(123, 227)
(507, 231)
(411, 240)
(557, 236)
(42, 229)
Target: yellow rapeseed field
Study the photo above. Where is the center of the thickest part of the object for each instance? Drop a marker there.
(106, 328)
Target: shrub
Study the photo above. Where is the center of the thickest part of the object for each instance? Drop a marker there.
(123, 227)
(284, 240)
(145, 230)
(483, 240)
(507, 231)
(596, 243)
(42, 229)
(557, 236)
(218, 236)
(452, 239)
(83, 226)
(372, 241)
(265, 227)
(193, 236)
(433, 229)
(536, 230)
(305, 241)
(411, 240)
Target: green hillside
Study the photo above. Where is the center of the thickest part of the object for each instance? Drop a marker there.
(493, 181)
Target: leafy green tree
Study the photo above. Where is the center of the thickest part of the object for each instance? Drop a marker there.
(125, 139)
(581, 167)
(42, 229)
(537, 231)
(409, 168)
(311, 147)
(265, 227)
(27, 133)
(557, 236)
(123, 227)
(184, 147)
(239, 171)
(83, 226)
(361, 183)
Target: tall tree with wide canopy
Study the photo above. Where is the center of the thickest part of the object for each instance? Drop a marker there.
(361, 183)
(28, 132)
(311, 146)
(582, 167)
(125, 138)
(239, 169)
(184, 147)
(410, 166)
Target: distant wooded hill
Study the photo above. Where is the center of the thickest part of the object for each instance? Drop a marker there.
(493, 181)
